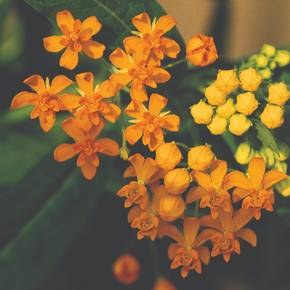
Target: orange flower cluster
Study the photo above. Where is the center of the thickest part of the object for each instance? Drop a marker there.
(162, 192)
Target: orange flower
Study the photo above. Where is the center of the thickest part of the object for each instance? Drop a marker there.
(188, 252)
(86, 145)
(229, 229)
(200, 157)
(76, 38)
(126, 269)
(256, 190)
(150, 41)
(177, 180)
(213, 190)
(150, 123)
(134, 69)
(168, 155)
(201, 50)
(148, 221)
(146, 172)
(163, 284)
(93, 102)
(45, 99)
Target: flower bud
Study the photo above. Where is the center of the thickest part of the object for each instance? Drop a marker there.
(278, 94)
(280, 166)
(268, 155)
(171, 207)
(239, 124)
(227, 109)
(227, 81)
(126, 269)
(215, 96)
(200, 158)
(244, 153)
(246, 103)
(163, 284)
(201, 50)
(282, 58)
(168, 156)
(283, 151)
(177, 180)
(272, 116)
(124, 152)
(250, 79)
(201, 112)
(283, 187)
(268, 50)
(218, 125)
(261, 61)
(265, 73)
(272, 65)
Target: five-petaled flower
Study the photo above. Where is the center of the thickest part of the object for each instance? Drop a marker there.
(86, 146)
(134, 69)
(93, 102)
(150, 41)
(76, 38)
(255, 191)
(45, 99)
(150, 123)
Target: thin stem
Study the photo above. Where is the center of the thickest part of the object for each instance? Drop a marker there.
(196, 208)
(155, 258)
(126, 89)
(174, 63)
(182, 145)
(107, 65)
(230, 140)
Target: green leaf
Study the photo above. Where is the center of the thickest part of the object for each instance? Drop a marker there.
(265, 136)
(58, 204)
(115, 15)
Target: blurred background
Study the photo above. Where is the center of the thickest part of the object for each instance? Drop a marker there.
(83, 259)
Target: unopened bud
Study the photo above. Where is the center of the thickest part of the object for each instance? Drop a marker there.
(171, 207)
(200, 158)
(239, 124)
(250, 79)
(283, 151)
(227, 81)
(177, 180)
(246, 103)
(168, 156)
(201, 112)
(214, 95)
(227, 109)
(244, 153)
(282, 58)
(283, 187)
(278, 94)
(272, 116)
(268, 50)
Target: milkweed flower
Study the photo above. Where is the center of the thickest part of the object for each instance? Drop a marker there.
(76, 38)
(201, 50)
(150, 123)
(255, 191)
(200, 157)
(93, 102)
(86, 146)
(227, 81)
(45, 99)
(150, 41)
(135, 70)
(168, 155)
(201, 112)
(272, 116)
(177, 180)
(214, 95)
(278, 94)
(230, 229)
(188, 252)
(246, 103)
(227, 109)
(213, 189)
(126, 269)
(239, 124)
(250, 79)
(218, 125)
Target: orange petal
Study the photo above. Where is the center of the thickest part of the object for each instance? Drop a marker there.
(95, 159)
(138, 91)
(156, 104)
(47, 120)
(119, 80)
(190, 229)
(256, 171)
(225, 219)
(137, 160)
(218, 171)
(70, 127)
(202, 179)
(204, 236)
(158, 194)
(23, 99)
(142, 23)
(64, 152)
(69, 59)
(64, 18)
(135, 110)
(90, 25)
(134, 213)
(248, 235)
(107, 89)
(96, 130)
(170, 47)
(120, 59)
(172, 249)
(238, 179)
(208, 221)
(239, 193)
(241, 218)
(86, 83)
(69, 101)
(132, 43)
(111, 147)
(272, 177)
(154, 142)
(53, 43)
(171, 122)
(203, 254)
(149, 169)
(59, 83)
(88, 169)
(84, 121)
(36, 82)
(113, 114)
(93, 49)
(159, 75)
(133, 134)
(195, 193)
(165, 23)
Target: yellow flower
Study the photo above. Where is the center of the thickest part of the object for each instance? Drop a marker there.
(227, 109)
(261, 60)
(272, 116)
(214, 95)
(250, 79)
(239, 124)
(227, 81)
(218, 125)
(265, 73)
(268, 50)
(278, 94)
(244, 153)
(246, 103)
(282, 58)
(283, 187)
(201, 112)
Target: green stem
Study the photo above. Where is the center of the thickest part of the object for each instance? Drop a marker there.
(230, 141)
(182, 145)
(155, 258)
(107, 65)
(196, 208)
(126, 89)
(174, 63)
